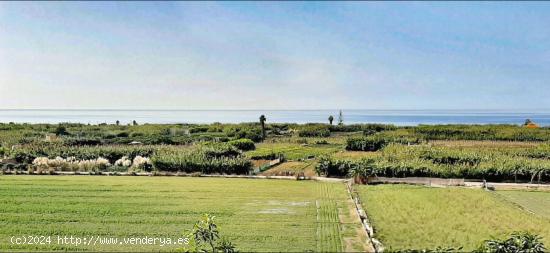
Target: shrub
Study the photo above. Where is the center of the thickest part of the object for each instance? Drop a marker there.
(205, 237)
(517, 242)
(218, 149)
(3, 151)
(366, 128)
(27, 153)
(371, 143)
(341, 168)
(243, 144)
(314, 131)
(82, 141)
(379, 140)
(142, 163)
(333, 168)
(70, 164)
(268, 156)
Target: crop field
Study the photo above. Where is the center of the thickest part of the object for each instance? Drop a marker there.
(256, 215)
(414, 217)
(292, 169)
(537, 202)
(294, 151)
(355, 155)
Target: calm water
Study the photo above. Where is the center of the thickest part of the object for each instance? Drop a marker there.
(397, 117)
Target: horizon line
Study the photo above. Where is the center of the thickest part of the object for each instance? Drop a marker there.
(270, 109)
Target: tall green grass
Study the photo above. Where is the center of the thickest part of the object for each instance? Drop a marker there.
(414, 217)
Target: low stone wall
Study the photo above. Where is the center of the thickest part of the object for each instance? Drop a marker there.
(376, 244)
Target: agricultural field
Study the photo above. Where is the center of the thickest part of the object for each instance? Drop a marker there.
(492, 152)
(292, 168)
(256, 215)
(416, 217)
(294, 151)
(536, 202)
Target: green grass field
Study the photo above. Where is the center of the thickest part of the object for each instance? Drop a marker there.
(537, 202)
(295, 151)
(414, 217)
(257, 215)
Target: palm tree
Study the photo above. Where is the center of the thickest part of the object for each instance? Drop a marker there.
(262, 122)
(330, 119)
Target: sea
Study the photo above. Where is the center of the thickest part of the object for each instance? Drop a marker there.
(350, 116)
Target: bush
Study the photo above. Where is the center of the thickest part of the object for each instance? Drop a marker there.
(366, 128)
(205, 237)
(329, 167)
(3, 151)
(314, 131)
(82, 141)
(380, 140)
(517, 242)
(27, 153)
(268, 156)
(218, 149)
(342, 168)
(371, 143)
(243, 144)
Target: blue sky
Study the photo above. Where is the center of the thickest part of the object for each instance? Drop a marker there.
(275, 55)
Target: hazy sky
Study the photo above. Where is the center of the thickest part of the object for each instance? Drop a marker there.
(275, 55)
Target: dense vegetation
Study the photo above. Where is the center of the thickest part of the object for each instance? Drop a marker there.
(227, 148)
(395, 160)
(482, 132)
(206, 159)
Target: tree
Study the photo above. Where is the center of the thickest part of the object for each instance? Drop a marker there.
(134, 123)
(262, 122)
(330, 119)
(61, 130)
(340, 118)
(117, 123)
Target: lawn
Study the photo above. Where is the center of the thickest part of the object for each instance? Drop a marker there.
(537, 202)
(414, 217)
(256, 215)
